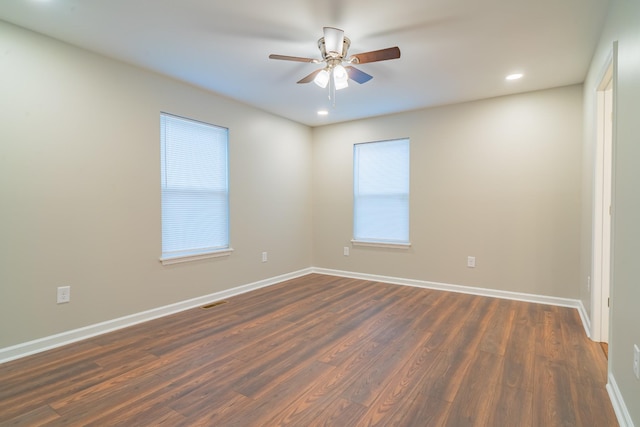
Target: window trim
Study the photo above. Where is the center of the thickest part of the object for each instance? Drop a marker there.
(168, 260)
(381, 244)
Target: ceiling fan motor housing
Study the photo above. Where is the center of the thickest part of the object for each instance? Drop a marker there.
(330, 55)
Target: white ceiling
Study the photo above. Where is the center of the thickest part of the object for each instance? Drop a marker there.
(452, 50)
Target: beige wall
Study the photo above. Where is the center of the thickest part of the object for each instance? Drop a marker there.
(79, 181)
(497, 179)
(622, 26)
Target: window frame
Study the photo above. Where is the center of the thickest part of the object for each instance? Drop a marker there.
(382, 241)
(194, 253)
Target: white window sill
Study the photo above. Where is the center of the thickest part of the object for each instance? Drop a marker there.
(381, 244)
(168, 260)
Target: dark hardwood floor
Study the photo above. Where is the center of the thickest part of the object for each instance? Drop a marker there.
(323, 350)
(605, 349)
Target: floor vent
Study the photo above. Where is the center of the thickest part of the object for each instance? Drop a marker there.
(214, 304)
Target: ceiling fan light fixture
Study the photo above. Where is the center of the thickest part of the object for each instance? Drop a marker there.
(334, 48)
(322, 78)
(340, 77)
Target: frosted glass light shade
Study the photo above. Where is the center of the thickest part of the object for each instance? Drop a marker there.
(322, 78)
(340, 77)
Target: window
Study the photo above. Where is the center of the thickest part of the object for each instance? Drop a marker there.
(195, 189)
(381, 193)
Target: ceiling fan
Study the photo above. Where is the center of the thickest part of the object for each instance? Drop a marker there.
(333, 48)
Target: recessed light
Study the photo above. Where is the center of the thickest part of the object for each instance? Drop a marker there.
(515, 76)
(322, 112)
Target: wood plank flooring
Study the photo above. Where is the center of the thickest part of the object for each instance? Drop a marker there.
(324, 351)
(605, 349)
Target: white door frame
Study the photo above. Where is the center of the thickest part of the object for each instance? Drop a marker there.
(600, 283)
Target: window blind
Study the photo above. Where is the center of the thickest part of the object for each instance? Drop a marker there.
(381, 192)
(195, 187)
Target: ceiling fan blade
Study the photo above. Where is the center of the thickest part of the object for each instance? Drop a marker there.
(333, 40)
(357, 75)
(293, 58)
(376, 55)
(310, 77)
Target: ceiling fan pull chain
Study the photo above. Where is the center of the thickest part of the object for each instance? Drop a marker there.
(332, 91)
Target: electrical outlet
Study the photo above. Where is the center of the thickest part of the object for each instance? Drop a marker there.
(345, 252)
(471, 261)
(264, 257)
(64, 294)
(588, 283)
(636, 361)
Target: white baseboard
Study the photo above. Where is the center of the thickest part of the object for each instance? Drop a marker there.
(518, 296)
(68, 337)
(586, 322)
(619, 407)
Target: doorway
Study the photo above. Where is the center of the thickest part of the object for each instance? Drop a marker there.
(600, 290)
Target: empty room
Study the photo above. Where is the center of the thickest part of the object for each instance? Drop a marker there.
(340, 213)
